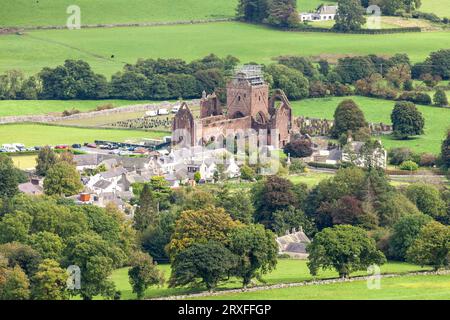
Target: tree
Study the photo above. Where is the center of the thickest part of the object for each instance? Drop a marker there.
(440, 98)
(237, 204)
(197, 176)
(252, 10)
(427, 199)
(283, 13)
(46, 159)
(398, 75)
(405, 232)
(445, 151)
(344, 248)
(14, 284)
(349, 16)
(49, 282)
(272, 194)
(147, 212)
(287, 219)
(202, 263)
(62, 179)
(200, 226)
(351, 69)
(406, 120)
(143, 273)
(96, 259)
(256, 251)
(299, 148)
(432, 246)
(47, 244)
(347, 117)
(291, 81)
(15, 226)
(9, 178)
(22, 255)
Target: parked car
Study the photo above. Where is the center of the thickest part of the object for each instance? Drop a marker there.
(175, 109)
(163, 111)
(76, 146)
(91, 145)
(62, 147)
(151, 113)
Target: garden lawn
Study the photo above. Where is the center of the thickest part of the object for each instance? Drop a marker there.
(34, 107)
(46, 48)
(39, 135)
(310, 179)
(287, 271)
(24, 162)
(437, 120)
(435, 287)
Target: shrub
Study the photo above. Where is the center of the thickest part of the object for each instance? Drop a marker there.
(299, 148)
(427, 160)
(409, 165)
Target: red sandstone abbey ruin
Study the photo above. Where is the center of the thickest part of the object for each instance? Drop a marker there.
(248, 107)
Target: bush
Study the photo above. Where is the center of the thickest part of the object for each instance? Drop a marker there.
(428, 160)
(409, 165)
(297, 166)
(399, 155)
(299, 148)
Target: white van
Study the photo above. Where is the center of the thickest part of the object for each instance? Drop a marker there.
(175, 109)
(151, 113)
(9, 148)
(163, 111)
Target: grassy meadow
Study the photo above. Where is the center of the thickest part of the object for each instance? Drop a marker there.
(34, 50)
(435, 287)
(437, 120)
(439, 7)
(39, 107)
(39, 135)
(287, 271)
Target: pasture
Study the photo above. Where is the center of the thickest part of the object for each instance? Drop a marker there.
(437, 120)
(39, 107)
(53, 12)
(433, 287)
(439, 7)
(107, 50)
(287, 271)
(39, 135)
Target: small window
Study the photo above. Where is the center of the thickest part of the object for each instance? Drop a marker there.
(239, 98)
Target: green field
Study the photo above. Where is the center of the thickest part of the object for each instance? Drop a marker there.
(34, 107)
(53, 12)
(35, 50)
(437, 120)
(288, 271)
(436, 287)
(39, 135)
(439, 7)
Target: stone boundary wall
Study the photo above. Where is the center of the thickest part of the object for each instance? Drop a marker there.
(14, 29)
(92, 114)
(322, 127)
(300, 284)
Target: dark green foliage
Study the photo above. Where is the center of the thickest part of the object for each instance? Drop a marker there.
(46, 159)
(427, 199)
(143, 273)
(405, 231)
(256, 251)
(272, 194)
(407, 120)
(350, 16)
(445, 151)
(440, 98)
(350, 69)
(347, 117)
(291, 81)
(202, 263)
(343, 248)
(287, 219)
(237, 204)
(147, 212)
(9, 177)
(253, 10)
(73, 80)
(283, 13)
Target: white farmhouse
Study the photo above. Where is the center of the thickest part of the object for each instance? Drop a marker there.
(323, 13)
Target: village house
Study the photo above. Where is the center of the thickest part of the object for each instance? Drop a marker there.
(323, 13)
(294, 244)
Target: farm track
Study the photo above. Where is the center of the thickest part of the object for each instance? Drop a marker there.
(300, 284)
